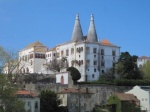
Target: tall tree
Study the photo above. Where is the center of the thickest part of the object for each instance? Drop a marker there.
(126, 67)
(50, 102)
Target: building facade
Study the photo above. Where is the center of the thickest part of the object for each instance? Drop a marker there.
(77, 99)
(142, 60)
(143, 94)
(90, 56)
(30, 99)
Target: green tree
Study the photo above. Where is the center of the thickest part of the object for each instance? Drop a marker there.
(126, 67)
(74, 73)
(146, 69)
(9, 102)
(50, 102)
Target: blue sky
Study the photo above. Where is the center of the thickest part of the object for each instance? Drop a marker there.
(125, 23)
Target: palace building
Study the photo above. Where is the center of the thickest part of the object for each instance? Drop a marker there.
(89, 55)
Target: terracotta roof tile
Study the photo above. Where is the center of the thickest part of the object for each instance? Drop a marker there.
(107, 43)
(27, 92)
(126, 97)
(144, 57)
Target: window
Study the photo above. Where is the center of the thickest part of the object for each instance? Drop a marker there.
(94, 56)
(81, 62)
(87, 49)
(113, 53)
(102, 51)
(102, 57)
(102, 71)
(36, 104)
(67, 52)
(94, 69)
(92, 75)
(54, 54)
(79, 56)
(81, 48)
(62, 53)
(94, 50)
(113, 58)
(31, 56)
(27, 70)
(95, 62)
(102, 63)
(28, 103)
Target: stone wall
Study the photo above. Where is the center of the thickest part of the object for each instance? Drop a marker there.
(101, 92)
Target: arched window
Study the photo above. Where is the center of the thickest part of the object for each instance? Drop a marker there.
(62, 80)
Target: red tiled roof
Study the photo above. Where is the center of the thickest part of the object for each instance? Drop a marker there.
(75, 91)
(107, 43)
(26, 92)
(144, 57)
(127, 97)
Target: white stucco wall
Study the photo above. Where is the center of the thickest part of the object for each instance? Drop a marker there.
(64, 75)
(30, 103)
(143, 96)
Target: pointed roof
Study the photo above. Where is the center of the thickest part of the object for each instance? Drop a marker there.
(92, 35)
(106, 43)
(77, 34)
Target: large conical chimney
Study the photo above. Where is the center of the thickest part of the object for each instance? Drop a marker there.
(92, 36)
(77, 34)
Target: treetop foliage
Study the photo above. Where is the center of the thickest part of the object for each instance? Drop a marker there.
(74, 73)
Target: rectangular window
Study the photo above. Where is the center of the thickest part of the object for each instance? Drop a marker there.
(94, 50)
(102, 63)
(93, 76)
(113, 53)
(102, 51)
(94, 69)
(102, 57)
(67, 52)
(62, 53)
(95, 62)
